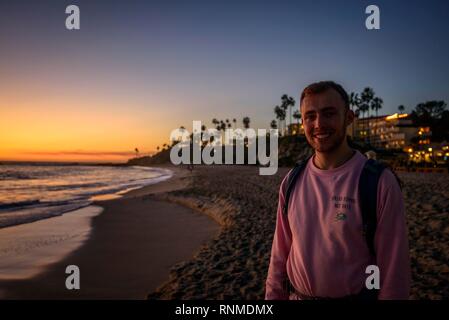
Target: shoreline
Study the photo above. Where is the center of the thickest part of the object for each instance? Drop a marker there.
(29, 211)
(132, 245)
(26, 249)
(233, 264)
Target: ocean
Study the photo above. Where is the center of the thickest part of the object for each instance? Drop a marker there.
(30, 192)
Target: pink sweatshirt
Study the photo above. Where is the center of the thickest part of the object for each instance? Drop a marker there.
(320, 245)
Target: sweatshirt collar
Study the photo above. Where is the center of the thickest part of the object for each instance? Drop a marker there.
(348, 165)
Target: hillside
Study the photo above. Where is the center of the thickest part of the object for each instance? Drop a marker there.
(291, 149)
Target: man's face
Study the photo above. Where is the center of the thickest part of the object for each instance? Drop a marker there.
(325, 119)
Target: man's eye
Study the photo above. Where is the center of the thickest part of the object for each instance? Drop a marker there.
(329, 114)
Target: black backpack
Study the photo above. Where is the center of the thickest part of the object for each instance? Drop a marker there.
(369, 179)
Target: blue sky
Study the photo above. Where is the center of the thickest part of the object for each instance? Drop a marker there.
(171, 62)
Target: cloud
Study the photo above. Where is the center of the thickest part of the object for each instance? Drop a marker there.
(81, 153)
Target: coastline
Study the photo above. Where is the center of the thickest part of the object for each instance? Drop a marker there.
(132, 244)
(26, 249)
(56, 193)
(233, 264)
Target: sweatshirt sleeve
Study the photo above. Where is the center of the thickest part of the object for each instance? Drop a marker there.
(391, 240)
(277, 272)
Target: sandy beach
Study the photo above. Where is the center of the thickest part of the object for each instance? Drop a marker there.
(234, 266)
(207, 235)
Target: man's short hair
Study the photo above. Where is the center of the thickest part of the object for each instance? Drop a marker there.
(322, 86)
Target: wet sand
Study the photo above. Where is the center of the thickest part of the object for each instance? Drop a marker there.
(132, 245)
(26, 249)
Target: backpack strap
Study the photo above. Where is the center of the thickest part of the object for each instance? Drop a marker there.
(291, 181)
(369, 180)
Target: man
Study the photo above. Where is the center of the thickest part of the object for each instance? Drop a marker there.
(319, 248)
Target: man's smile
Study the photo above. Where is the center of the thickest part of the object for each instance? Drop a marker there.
(321, 135)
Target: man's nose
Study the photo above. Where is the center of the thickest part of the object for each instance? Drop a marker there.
(319, 122)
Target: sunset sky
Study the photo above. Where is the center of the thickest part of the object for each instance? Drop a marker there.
(138, 69)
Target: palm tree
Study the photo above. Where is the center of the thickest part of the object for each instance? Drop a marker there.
(284, 108)
(215, 123)
(363, 108)
(277, 112)
(288, 103)
(222, 125)
(203, 130)
(280, 115)
(365, 102)
(354, 103)
(401, 108)
(376, 104)
(292, 103)
(366, 97)
(137, 152)
(273, 124)
(182, 129)
(235, 121)
(246, 122)
(297, 116)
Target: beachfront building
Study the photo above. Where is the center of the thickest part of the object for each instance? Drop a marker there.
(436, 153)
(296, 129)
(395, 131)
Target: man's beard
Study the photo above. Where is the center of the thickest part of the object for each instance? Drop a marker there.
(333, 142)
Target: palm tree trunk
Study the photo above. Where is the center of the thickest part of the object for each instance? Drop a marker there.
(364, 126)
(353, 126)
(290, 110)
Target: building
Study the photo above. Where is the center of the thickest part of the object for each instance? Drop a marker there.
(395, 131)
(295, 129)
(436, 153)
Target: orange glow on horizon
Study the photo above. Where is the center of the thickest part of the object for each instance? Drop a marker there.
(37, 127)
(74, 136)
(69, 156)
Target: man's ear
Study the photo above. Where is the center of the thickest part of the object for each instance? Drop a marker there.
(349, 117)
